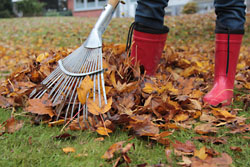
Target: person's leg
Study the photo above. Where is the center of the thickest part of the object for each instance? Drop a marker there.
(149, 34)
(151, 13)
(229, 32)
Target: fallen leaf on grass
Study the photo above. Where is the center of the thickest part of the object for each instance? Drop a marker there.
(168, 152)
(12, 125)
(238, 149)
(222, 113)
(201, 153)
(103, 131)
(119, 150)
(211, 139)
(205, 129)
(240, 129)
(2, 130)
(4, 103)
(81, 155)
(224, 161)
(112, 149)
(68, 150)
(99, 139)
(184, 148)
(65, 136)
(186, 161)
(142, 126)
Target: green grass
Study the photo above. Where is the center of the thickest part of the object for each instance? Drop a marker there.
(47, 151)
(35, 146)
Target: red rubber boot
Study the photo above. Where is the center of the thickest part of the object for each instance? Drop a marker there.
(147, 49)
(226, 58)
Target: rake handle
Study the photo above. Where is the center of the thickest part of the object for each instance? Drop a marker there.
(114, 3)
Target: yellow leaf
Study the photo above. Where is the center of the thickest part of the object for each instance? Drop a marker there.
(82, 92)
(147, 102)
(107, 107)
(68, 150)
(93, 106)
(59, 122)
(103, 131)
(181, 117)
(149, 88)
(112, 78)
(201, 153)
(99, 139)
(222, 113)
(42, 56)
(247, 85)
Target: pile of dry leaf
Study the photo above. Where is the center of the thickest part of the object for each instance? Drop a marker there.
(154, 107)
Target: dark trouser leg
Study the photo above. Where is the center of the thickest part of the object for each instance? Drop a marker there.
(151, 13)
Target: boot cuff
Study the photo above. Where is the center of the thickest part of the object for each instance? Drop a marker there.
(222, 29)
(145, 29)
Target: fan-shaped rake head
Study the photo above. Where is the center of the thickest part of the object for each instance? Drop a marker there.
(62, 83)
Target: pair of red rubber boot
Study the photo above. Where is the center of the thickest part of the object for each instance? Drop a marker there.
(147, 49)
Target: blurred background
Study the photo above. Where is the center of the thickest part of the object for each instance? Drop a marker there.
(92, 8)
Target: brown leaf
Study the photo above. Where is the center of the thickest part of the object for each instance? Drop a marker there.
(65, 136)
(241, 129)
(187, 147)
(112, 149)
(238, 149)
(127, 148)
(4, 103)
(41, 106)
(142, 126)
(168, 152)
(225, 160)
(2, 130)
(12, 125)
(205, 129)
(99, 139)
(211, 139)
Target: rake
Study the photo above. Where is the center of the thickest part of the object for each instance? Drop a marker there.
(62, 83)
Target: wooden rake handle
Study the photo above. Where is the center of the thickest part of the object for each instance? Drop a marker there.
(114, 3)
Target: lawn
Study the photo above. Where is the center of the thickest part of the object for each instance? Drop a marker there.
(35, 145)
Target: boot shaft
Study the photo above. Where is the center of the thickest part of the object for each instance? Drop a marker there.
(227, 53)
